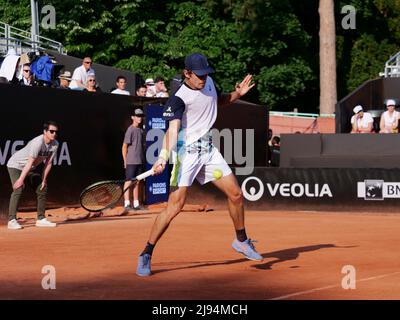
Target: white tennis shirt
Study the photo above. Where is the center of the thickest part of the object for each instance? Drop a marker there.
(197, 109)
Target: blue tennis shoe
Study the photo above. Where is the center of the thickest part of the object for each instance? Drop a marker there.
(144, 265)
(247, 249)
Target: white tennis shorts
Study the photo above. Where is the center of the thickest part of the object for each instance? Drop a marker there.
(190, 165)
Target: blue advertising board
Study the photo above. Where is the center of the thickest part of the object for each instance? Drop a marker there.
(157, 187)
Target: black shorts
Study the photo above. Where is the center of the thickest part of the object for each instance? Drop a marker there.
(133, 170)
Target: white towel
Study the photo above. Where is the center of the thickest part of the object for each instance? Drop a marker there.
(9, 65)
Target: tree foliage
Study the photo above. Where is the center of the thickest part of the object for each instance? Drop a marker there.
(275, 40)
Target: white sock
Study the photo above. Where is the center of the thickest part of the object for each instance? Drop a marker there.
(127, 203)
(135, 203)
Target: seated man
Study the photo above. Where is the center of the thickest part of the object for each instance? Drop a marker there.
(65, 80)
(121, 86)
(27, 77)
(361, 122)
(141, 91)
(80, 75)
(161, 89)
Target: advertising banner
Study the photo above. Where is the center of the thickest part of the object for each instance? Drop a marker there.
(321, 187)
(157, 187)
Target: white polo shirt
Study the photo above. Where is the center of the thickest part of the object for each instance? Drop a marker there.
(119, 91)
(80, 74)
(390, 120)
(364, 121)
(197, 109)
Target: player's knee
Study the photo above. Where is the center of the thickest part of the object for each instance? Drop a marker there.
(174, 209)
(236, 196)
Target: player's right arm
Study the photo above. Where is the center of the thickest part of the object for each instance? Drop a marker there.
(173, 113)
(20, 181)
(169, 142)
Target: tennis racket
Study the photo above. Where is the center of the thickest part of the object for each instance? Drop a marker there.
(104, 194)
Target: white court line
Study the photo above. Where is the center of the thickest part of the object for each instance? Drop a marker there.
(332, 286)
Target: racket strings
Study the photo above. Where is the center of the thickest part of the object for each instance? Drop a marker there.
(101, 196)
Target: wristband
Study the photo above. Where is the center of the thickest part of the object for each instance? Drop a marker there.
(164, 154)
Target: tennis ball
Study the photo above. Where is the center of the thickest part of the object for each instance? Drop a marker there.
(217, 174)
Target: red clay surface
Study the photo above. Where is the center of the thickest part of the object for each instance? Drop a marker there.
(304, 253)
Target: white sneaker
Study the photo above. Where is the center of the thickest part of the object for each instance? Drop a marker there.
(13, 225)
(45, 223)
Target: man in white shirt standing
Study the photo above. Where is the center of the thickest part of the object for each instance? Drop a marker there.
(80, 75)
(361, 122)
(21, 165)
(121, 85)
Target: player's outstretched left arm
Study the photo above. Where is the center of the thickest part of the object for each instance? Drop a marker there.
(240, 90)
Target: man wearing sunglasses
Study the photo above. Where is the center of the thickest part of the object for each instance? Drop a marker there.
(21, 168)
(27, 77)
(80, 75)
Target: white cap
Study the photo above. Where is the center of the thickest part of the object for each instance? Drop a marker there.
(358, 109)
(390, 102)
(149, 81)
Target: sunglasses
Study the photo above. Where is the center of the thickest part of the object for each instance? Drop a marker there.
(88, 62)
(53, 131)
(27, 70)
(91, 80)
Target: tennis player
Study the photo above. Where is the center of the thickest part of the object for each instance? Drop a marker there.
(191, 113)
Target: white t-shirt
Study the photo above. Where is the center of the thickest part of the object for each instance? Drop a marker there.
(197, 109)
(119, 91)
(37, 149)
(80, 74)
(162, 94)
(389, 120)
(364, 121)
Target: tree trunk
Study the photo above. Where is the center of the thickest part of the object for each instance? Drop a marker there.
(327, 52)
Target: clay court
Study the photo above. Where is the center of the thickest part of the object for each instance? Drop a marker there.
(304, 253)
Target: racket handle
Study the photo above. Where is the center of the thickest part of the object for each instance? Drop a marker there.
(144, 175)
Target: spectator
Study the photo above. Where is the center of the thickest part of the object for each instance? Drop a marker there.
(10, 67)
(160, 88)
(133, 155)
(361, 122)
(270, 134)
(121, 85)
(141, 91)
(151, 91)
(27, 77)
(390, 118)
(21, 168)
(92, 84)
(65, 79)
(80, 75)
(275, 151)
